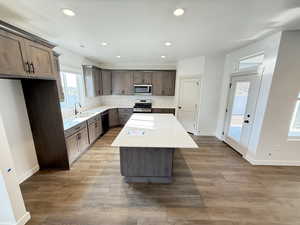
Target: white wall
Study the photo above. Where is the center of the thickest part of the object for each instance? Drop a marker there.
(210, 70)
(269, 143)
(12, 208)
(269, 46)
(274, 146)
(17, 127)
(72, 62)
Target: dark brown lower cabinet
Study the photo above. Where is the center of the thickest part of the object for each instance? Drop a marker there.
(77, 143)
(124, 115)
(164, 110)
(83, 140)
(113, 118)
(95, 130)
(72, 146)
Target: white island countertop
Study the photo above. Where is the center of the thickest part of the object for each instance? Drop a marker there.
(154, 130)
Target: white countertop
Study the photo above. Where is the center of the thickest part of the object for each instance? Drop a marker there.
(84, 116)
(154, 130)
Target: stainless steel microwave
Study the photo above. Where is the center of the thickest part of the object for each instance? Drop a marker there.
(143, 89)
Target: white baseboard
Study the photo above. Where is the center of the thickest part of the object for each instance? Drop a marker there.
(257, 162)
(28, 173)
(22, 221)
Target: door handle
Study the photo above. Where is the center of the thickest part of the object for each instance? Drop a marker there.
(246, 121)
(179, 107)
(27, 67)
(32, 67)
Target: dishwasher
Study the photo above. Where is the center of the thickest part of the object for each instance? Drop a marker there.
(105, 121)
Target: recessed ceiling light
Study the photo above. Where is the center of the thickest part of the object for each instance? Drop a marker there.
(118, 56)
(104, 43)
(168, 43)
(68, 12)
(178, 12)
(163, 56)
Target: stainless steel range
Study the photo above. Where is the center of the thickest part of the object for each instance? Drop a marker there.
(143, 106)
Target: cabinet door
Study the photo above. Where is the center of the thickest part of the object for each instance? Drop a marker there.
(141, 77)
(113, 118)
(58, 78)
(72, 146)
(106, 82)
(169, 84)
(41, 59)
(97, 81)
(163, 83)
(83, 140)
(99, 129)
(124, 115)
(12, 55)
(157, 83)
(92, 132)
(117, 83)
(92, 81)
(122, 82)
(147, 77)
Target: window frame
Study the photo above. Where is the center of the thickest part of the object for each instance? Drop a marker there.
(65, 105)
(239, 69)
(295, 111)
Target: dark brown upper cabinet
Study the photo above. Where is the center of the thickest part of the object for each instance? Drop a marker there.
(106, 82)
(40, 59)
(58, 78)
(142, 77)
(12, 55)
(122, 82)
(163, 83)
(169, 83)
(21, 57)
(92, 81)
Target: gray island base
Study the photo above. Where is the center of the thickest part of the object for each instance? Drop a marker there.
(147, 165)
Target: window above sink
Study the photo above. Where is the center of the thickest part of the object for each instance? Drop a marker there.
(72, 85)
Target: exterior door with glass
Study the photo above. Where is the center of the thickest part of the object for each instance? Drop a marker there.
(243, 94)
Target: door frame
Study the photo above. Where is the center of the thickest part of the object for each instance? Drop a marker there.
(231, 142)
(197, 78)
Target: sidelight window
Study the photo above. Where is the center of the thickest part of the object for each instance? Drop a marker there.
(295, 123)
(251, 62)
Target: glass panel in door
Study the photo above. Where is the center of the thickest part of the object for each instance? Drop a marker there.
(238, 111)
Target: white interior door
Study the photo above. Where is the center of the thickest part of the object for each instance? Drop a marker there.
(187, 111)
(243, 94)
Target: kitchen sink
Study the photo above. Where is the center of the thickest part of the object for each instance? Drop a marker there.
(84, 114)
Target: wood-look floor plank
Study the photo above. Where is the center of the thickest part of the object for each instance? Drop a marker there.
(213, 185)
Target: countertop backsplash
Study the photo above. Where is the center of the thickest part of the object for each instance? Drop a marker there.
(120, 101)
(129, 100)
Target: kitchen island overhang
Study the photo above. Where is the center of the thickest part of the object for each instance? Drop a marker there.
(147, 145)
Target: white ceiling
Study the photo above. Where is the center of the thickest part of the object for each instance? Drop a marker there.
(137, 29)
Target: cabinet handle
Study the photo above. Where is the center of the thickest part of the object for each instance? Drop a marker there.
(32, 67)
(27, 67)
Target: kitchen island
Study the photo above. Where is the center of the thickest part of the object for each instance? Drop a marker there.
(147, 144)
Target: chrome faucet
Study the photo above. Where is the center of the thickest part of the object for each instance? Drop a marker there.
(76, 111)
